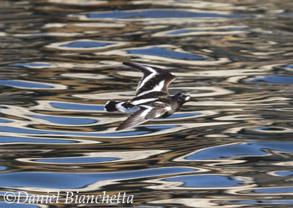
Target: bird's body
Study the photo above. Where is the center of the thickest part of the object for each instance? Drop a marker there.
(152, 99)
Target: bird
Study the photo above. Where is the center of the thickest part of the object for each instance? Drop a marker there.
(152, 99)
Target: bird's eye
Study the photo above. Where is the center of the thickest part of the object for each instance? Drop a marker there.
(187, 98)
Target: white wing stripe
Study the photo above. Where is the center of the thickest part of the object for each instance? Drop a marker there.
(157, 87)
(142, 101)
(146, 112)
(122, 109)
(142, 82)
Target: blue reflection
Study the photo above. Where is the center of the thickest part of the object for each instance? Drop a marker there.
(158, 13)
(290, 66)
(284, 173)
(158, 51)
(3, 168)
(72, 106)
(2, 120)
(9, 139)
(185, 31)
(16, 83)
(274, 190)
(276, 79)
(161, 127)
(286, 15)
(78, 180)
(35, 131)
(86, 44)
(268, 128)
(179, 32)
(31, 64)
(18, 205)
(66, 120)
(206, 181)
(183, 115)
(265, 202)
(251, 148)
(79, 160)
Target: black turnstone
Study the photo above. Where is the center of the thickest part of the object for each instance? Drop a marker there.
(152, 99)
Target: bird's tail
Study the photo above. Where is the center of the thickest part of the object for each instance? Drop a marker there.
(111, 106)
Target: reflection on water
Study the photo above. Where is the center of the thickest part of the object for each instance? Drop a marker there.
(231, 146)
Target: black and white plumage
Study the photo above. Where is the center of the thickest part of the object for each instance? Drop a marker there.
(152, 99)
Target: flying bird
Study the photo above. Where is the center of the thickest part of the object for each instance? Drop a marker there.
(152, 99)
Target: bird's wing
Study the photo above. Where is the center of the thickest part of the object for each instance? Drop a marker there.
(143, 115)
(153, 79)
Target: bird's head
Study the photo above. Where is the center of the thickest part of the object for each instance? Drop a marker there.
(182, 98)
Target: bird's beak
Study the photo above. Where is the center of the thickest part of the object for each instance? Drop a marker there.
(192, 99)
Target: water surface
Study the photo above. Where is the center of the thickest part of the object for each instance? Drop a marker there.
(231, 146)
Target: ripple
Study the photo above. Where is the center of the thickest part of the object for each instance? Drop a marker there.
(205, 181)
(6, 205)
(2, 120)
(85, 24)
(190, 31)
(86, 76)
(203, 5)
(258, 202)
(165, 53)
(66, 120)
(146, 129)
(98, 157)
(282, 79)
(184, 115)
(48, 34)
(267, 130)
(31, 85)
(189, 202)
(289, 67)
(33, 65)
(85, 44)
(46, 65)
(79, 2)
(238, 150)
(192, 91)
(26, 140)
(234, 75)
(282, 190)
(75, 106)
(284, 173)
(153, 13)
(158, 51)
(229, 147)
(77, 160)
(50, 180)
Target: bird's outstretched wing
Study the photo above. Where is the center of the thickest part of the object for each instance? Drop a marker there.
(143, 115)
(154, 79)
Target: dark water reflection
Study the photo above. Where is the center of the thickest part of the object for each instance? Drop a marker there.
(61, 61)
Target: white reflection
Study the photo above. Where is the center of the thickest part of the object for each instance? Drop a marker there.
(198, 202)
(190, 31)
(121, 156)
(107, 45)
(192, 91)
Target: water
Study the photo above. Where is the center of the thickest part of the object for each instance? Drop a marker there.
(229, 147)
